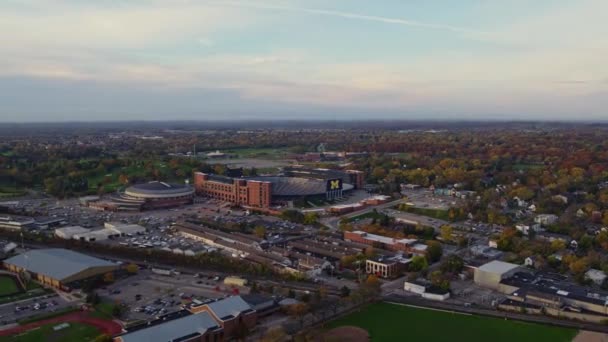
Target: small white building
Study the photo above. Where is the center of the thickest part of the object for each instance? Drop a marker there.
(596, 276)
(545, 219)
(530, 261)
(125, 229)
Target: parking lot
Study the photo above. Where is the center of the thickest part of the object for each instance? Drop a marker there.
(423, 198)
(149, 295)
(12, 312)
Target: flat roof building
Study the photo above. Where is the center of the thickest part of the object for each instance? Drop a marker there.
(68, 233)
(58, 267)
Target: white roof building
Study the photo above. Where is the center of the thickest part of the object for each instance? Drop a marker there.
(69, 232)
(596, 276)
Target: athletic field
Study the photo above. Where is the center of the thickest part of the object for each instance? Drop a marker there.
(393, 322)
(8, 285)
(74, 332)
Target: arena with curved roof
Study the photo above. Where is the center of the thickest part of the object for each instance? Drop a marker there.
(145, 196)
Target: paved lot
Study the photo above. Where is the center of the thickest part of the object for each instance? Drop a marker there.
(149, 295)
(425, 199)
(11, 312)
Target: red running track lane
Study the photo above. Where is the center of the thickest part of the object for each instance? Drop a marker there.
(105, 326)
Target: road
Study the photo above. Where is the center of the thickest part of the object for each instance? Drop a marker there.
(333, 221)
(9, 315)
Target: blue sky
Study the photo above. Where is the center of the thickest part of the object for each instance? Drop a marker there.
(331, 59)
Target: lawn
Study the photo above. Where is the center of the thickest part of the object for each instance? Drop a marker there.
(75, 332)
(8, 286)
(429, 212)
(371, 214)
(270, 153)
(392, 322)
(104, 310)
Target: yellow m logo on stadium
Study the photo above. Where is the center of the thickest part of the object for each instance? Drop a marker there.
(334, 184)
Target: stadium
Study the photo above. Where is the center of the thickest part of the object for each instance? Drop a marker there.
(284, 187)
(147, 196)
(263, 191)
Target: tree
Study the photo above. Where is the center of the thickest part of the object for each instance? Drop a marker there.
(275, 334)
(344, 291)
(311, 218)
(123, 179)
(453, 263)
(558, 245)
(434, 250)
(92, 298)
(132, 268)
(446, 232)
(117, 311)
(108, 277)
(260, 231)
(418, 263)
(103, 338)
(438, 279)
(298, 311)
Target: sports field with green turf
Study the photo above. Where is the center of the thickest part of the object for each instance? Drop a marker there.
(393, 322)
(8, 285)
(75, 332)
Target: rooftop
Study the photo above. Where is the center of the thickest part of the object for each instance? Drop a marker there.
(497, 266)
(191, 325)
(230, 307)
(56, 263)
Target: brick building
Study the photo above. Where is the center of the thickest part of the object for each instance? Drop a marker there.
(409, 246)
(386, 267)
(238, 191)
(231, 313)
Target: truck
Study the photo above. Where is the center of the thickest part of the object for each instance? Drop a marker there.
(161, 271)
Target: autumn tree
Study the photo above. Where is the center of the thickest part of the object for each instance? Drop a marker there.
(260, 231)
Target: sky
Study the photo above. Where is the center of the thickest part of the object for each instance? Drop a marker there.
(90, 60)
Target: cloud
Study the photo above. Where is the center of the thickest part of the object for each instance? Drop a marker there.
(205, 42)
(354, 16)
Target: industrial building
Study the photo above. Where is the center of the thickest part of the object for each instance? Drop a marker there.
(110, 231)
(60, 268)
(409, 246)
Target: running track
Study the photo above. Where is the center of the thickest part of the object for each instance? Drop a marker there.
(105, 326)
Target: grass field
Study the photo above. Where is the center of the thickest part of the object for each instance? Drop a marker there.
(75, 332)
(270, 153)
(8, 286)
(429, 212)
(392, 322)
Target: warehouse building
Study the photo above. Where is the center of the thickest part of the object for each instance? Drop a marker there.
(491, 274)
(60, 268)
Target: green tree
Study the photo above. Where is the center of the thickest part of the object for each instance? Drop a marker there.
(344, 291)
(453, 263)
(434, 250)
(418, 263)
